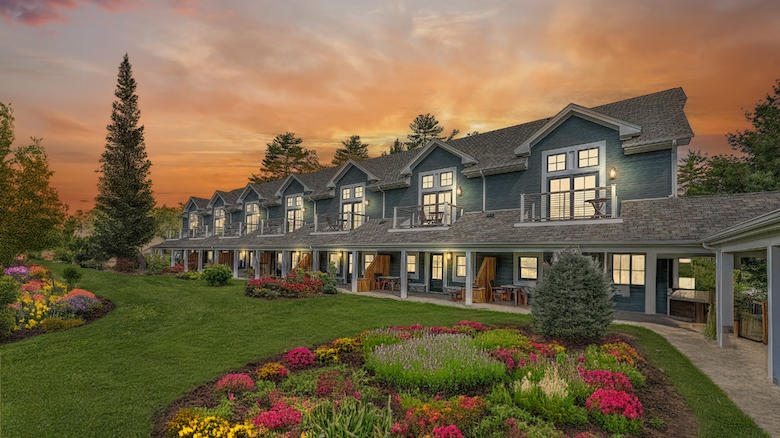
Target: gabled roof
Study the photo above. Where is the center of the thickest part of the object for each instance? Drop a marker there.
(465, 158)
(230, 199)
(627, 130)
(345, 168)
(288, 181)
(251, 187)
(199, 203)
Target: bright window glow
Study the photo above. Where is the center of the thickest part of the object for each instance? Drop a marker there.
(460, 266)
(359, 192)
(445, 179)
(437, 267)
(687, 283)
(529, 268)
(588, 157)
(346, 193)
(411, 263)
(556, 162)
(367, 260)
(427, 181)
(628, 269)
(333, 259)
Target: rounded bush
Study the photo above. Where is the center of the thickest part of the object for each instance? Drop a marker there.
(573, 300)
(216, 275)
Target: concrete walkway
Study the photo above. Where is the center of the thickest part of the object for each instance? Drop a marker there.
(740, 369)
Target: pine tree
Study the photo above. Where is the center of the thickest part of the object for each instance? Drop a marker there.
(397, 147)
(353, 149)
(285, 155)
(125, 199)
(424, 129)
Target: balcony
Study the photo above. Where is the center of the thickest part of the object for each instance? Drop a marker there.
(175, 233)
(338, 222)
(426, 216)
(200, 232)
(232, 230)
(597, 203)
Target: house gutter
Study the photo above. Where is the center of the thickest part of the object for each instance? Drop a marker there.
(674, 169)
(383, 200)
(484, 189)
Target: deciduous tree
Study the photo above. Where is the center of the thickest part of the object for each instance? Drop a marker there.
(123, 206)
(285, 155)
(353, 149)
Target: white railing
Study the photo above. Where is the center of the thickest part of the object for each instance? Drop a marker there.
(232, 230)
(200, 232)
(590, 203)
(326, 223)
(175, 233)
(272, 227)
(434, 215)
(293, 224)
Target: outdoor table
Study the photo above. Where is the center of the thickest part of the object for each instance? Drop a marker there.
(598, 204)
(519, 293)
(392, 281)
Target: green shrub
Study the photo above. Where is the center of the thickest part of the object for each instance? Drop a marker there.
(71, 275)
(506, 420)
(189, 275)
(216, 275)
(58, 324)
(597, 359)
(155, 263)
(93, 264)
(380, 337)
(349, 418)
(501, 338)
(328, 282)
(545, 391)
(63, 255)
(573, 300)
(9, 294)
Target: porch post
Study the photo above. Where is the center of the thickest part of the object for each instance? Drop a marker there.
(675, 273)
(315, 260)
(651, 264)
(257, 264)
(173, 257)
(186, 262)
(235, 263)
(724, 296)
(200, 260)
(404, 276)
(285, 256)
(469, 278)
(773, 313)
(355, 263)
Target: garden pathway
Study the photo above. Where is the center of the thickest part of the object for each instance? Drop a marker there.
(740, 369)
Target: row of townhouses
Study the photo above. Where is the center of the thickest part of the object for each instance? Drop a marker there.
(496, 205)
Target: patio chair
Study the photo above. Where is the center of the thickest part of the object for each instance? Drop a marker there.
(498, 293)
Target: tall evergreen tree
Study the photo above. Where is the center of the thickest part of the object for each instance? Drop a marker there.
(124, 204)
(353, 148)
(285, 155)
(424, 129)
(31, 209)
(397, 147)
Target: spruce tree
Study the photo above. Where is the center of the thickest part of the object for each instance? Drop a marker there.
(125, 199)
(424, 129)
(573, 300)
(353, 149)
(284, 156)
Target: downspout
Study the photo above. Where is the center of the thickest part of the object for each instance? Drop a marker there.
(484, 189)
(674, 169)
(383, 200)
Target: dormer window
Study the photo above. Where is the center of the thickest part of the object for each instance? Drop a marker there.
(252, 217)
(571, 176)
(219, 220)
(294, 212)
(437, 191)
(192, 222)
(352, 206)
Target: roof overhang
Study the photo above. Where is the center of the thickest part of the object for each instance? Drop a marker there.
(249, 188)
(214, 197)
(766, 224)
(465, 158)
(627, 130)
(495, 170)
(656, 145)
(345, 168)
(288, 181)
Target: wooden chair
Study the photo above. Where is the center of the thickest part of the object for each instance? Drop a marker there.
(497, 292)
(331, 225)
(457, 295)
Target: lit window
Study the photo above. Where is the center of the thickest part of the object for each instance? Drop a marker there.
(367, 260)
(529, 268)
(411, 263)
(445, 179)
(556, 162)
(359, 192)
(460, 266)
(687, 283)
(346, 193)
(588, 157)
(628, 269)
(219, 219)
(333, 259)
(437, 267)
(193, 222)
(427, 181)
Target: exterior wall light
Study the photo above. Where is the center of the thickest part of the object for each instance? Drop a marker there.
(368, 202)
(612, 173)
(459, 191)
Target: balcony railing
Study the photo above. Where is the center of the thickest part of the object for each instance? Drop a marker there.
(435, 215)
(293, 225)
(270, 227)
(176, 233)
(590, 203)
(235, 229)
(200, 232)
(328, 223)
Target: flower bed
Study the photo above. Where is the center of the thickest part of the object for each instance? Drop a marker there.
(297, 285)
(465, 381)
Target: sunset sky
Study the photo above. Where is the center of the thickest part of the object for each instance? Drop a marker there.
(218, 79)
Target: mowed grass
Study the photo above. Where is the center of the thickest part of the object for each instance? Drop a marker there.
(168, 336)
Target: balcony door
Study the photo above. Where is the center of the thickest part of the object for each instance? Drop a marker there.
(437, 272)
(568, 196)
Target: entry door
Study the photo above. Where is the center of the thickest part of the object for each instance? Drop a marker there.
(350, 267)
(192, 261)
(437, 272)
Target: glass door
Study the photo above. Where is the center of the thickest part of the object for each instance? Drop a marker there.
(437, 272)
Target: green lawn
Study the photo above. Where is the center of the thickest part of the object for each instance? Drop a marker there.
(168, 336)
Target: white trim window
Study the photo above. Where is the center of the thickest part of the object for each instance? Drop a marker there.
(567, 176)
(628, 269)
(335, 259)
(437, 190)
(368, 258)
(437, 267)
(529, 268)
(294, 212)
(252, 216)
(219, 220)
(459, 270)
(411, 265)
(353, 205)
(192, 222)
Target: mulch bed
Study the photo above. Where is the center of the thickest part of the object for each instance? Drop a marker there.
(19, 335)
(658, 395)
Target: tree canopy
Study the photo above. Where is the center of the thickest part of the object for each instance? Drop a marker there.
(285, 155)
(31, 208)
(757, 170)
(124, 204)
(425, 128)
(353, 149)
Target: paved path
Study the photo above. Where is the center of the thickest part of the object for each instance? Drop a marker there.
(740, 369)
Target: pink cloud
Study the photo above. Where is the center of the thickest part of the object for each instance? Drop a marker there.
(42, 12)
(185, 7)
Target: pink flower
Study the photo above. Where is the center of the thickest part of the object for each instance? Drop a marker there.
(609, 401)
(232, 383)
(299, 358)
(280, 416)
(605, 380)
(451, 431)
